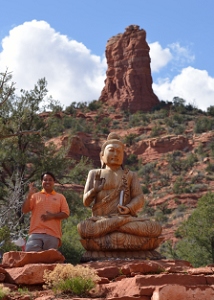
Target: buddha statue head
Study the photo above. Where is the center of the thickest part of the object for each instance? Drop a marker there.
(112, 151)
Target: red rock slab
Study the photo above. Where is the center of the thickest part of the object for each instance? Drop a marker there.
(144, 285)
(178, 278)
(30, 274)
(178, 292)
(112, 268)
(15, 259)
(201, 270)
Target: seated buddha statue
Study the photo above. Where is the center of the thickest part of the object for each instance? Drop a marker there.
(115, 196)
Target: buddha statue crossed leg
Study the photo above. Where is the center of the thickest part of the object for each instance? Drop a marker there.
(116, 196)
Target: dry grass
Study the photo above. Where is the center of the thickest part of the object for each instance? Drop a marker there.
(66, 278)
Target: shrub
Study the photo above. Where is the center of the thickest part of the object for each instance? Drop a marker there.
(179, 185)
(196, 244)
(148, 210)
(129, 139)
(156, 131)
(72, 248)
(203, 124)
(145, 189)
(66, 278)
(131, 159)
(4, 291)
(210, 110)
(94, 105)
(210, 168)
(7, 244)
(160, 217)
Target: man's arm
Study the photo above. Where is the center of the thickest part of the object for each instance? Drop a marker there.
(49, 216)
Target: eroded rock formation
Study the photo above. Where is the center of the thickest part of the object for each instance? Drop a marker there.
(128, 85)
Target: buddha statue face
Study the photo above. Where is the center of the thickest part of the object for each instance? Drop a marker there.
(113, 154)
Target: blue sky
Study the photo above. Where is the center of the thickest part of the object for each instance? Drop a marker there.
(65, 42)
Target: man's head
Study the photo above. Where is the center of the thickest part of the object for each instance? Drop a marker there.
(48, 173)
(48, 181)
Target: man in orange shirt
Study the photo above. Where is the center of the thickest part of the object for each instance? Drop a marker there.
(48, 209)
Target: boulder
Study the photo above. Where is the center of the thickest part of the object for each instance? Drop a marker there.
(15, 259)
(31, 274)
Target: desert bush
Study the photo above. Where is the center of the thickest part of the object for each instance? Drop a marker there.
(167, 250)
(145, 189)
(182, 207)
(156, 131)
(72, 248)
(211, 148)
(135, 120)
(194, 188)
(5, 239)
(210, 168)
(66, 278)
(94, 105)
(115, 124)
(204, 124)
(131, 160)
(129, 139)
(210, 110)
(148, 210)
(4, 291)
(179, 185)
(180, 129)
(160, 217)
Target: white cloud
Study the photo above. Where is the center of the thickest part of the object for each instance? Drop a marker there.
(174, 56)
(181, 54)
(193, 85)
(159, 57)
(34, 50)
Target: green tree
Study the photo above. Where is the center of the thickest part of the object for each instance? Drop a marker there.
(71, 247)
(197, 234)
(7, 87)
(24, 155)
(129, 139)
(210, 110)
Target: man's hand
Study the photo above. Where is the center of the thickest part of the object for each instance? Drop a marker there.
(47, 217)
(32, 188)
(26, 203)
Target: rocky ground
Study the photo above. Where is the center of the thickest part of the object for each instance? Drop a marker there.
(118, 279)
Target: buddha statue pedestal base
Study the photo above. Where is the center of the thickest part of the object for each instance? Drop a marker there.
(107, 255)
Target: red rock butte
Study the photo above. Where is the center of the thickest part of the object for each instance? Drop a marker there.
(128, 83)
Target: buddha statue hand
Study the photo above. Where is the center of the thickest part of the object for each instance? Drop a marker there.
(123, 210)
(98, 182)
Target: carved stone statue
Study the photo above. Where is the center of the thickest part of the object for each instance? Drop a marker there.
(115, 230)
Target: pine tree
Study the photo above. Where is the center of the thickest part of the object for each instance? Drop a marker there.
(197, 234)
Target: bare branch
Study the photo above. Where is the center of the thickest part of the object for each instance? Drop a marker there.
(24, 132)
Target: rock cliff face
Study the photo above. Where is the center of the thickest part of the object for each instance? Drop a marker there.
(128, 85)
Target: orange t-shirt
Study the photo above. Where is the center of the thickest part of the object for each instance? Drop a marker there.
(42, 202)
